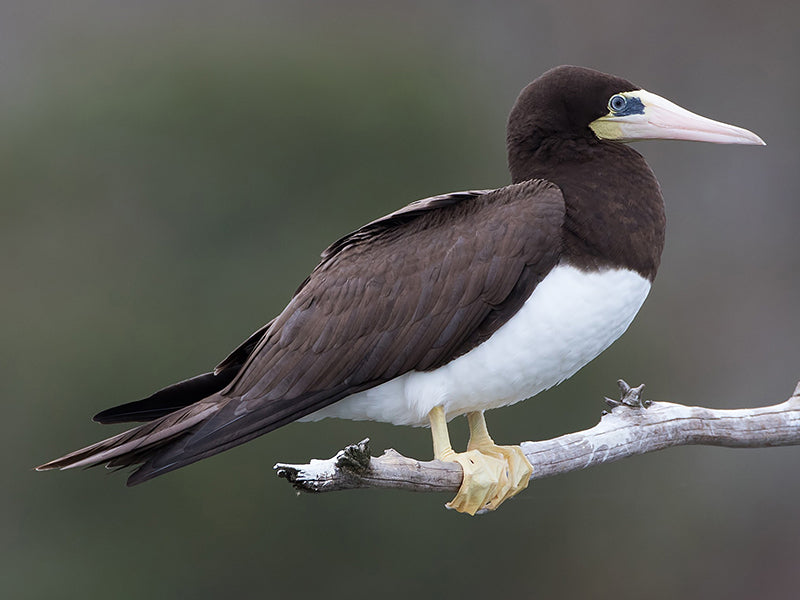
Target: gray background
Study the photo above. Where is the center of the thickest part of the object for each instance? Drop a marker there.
(169, 174)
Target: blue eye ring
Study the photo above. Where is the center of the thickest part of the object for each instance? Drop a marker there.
(617, 103)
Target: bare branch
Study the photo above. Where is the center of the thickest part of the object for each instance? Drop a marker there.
(632, 427)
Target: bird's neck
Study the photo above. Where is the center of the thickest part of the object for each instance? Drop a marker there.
(614, 208)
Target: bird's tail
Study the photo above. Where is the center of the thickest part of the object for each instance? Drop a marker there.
(136, 445)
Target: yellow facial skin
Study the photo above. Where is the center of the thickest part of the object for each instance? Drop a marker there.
(610, 125)
(606, 129)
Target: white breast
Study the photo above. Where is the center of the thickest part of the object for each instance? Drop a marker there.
(571, 317)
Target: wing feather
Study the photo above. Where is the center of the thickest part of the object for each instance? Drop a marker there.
(409, 292)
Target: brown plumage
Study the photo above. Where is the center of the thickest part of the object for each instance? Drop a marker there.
(419, 287)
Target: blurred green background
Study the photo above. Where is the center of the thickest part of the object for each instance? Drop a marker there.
(170, 172)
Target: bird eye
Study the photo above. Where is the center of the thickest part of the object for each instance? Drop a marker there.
(617, 103)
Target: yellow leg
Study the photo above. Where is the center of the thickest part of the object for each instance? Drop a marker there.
(484, 474)
(518, 468)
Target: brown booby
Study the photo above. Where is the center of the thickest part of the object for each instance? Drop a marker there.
(452, 305)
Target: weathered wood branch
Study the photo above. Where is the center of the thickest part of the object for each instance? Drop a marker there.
(632, 427)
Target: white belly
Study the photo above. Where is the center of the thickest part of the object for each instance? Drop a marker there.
(571, 317)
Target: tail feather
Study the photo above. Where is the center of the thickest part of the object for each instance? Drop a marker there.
(184, 393)
(233, 424)
(138, 444)
(171, 398)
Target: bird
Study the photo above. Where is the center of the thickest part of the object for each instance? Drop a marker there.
(452, 305)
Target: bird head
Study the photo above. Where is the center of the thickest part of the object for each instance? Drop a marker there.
(578, 102)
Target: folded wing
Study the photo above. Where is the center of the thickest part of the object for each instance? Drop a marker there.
(410, 291)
